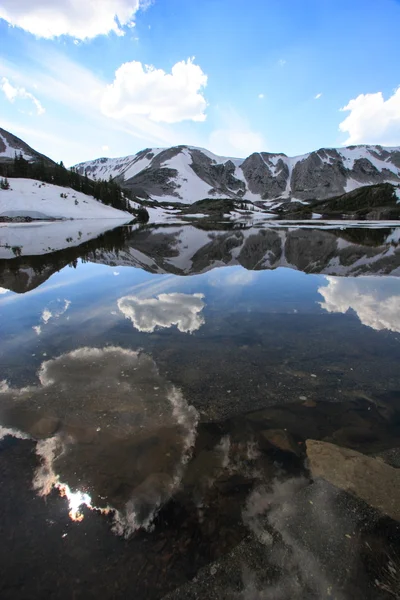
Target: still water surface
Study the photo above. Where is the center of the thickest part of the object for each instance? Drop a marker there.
(202, 414)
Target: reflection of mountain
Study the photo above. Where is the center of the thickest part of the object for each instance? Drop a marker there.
(188, 250)
(29, 270)
(376, 306)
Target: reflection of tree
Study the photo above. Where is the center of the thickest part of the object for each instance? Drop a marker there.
(110, 241)
(363, 235)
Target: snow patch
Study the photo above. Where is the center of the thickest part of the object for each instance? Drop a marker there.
(27, 197)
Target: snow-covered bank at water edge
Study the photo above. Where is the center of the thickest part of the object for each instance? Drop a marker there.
(31, 198)
(44, 237)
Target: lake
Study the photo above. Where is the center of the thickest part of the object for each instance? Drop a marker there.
(197, 413)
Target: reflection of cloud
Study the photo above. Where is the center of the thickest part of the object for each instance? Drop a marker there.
(234, 276)
(279, 517)
(60, 307)
(90, 410)
(55, 309)
(240, 277)
(182, 310)
(375, 300)
(3, 290)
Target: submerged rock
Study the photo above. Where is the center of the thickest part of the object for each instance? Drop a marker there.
(280, 439)
(370, 479)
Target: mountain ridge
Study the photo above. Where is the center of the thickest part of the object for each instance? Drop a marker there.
(186, 174)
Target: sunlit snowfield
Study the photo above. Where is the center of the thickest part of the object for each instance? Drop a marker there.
(189, 413)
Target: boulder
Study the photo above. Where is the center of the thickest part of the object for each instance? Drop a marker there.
(370, 479)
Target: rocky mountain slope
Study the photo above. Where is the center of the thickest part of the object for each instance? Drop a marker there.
(11, 144)
(187, 174)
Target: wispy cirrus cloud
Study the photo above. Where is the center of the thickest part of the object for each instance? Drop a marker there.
(13, 93)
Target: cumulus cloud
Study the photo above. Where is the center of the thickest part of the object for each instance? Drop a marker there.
(12, 93)
(317, 96)
(372, 119)
(3, 290)
(166, 310)
(88, 411)
(81, 20)
(375, 301)
(160, 96)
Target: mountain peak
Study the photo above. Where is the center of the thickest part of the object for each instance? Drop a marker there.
(187, 174)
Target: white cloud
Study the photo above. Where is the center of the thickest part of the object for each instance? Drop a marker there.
(166, 310)
(376, 301)
(373, 120)
(105, 148)
(281, 62)
(160, 96)
(84, 135)
(261, 96)
(317, 96)
(235, 137)
(3, 290)
(81, 20)
(12, 93)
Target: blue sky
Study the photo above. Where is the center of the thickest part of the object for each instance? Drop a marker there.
(234, 77)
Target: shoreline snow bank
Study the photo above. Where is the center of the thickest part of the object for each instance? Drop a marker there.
(29, 198)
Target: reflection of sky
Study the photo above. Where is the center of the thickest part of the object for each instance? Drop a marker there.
(93, 317)
(375, 300)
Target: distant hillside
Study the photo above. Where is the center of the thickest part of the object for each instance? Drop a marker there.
(18, 161)
(10, 145)
(187, 174)
(374, 202)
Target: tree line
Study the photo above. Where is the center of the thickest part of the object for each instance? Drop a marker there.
(106, 191)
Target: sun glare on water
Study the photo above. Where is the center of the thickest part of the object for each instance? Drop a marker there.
(76, 500)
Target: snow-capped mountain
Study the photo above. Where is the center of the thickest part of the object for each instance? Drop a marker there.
(187, 174)
(11, 144)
